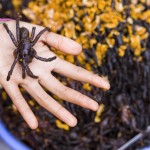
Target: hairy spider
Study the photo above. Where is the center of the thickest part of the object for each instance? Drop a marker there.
(24, 52)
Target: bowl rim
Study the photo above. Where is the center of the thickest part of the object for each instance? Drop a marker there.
(11, 140)
(15, 143)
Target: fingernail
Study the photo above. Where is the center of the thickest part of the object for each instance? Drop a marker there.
(33, 124)
(72, 122)
(105, 83)
(94, 105)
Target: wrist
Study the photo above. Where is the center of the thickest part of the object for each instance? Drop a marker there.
(4, 19)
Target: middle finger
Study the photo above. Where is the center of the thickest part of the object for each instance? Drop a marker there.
(66, 93)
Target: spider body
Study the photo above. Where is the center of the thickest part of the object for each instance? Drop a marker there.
(24, 47)
(24, 52)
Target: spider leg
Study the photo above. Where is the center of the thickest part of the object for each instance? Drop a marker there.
(10, 34)
(12, 67)
(29, 73)
(23, 71)
(39, 35)
(18, 29)
(41, 58)
(44, 59)
(33, 33)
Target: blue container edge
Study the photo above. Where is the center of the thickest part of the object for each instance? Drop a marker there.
(15, 144)
(10, 140)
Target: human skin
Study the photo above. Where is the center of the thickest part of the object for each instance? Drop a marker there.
(43, 70)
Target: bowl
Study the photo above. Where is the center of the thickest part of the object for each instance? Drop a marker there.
(10, 140)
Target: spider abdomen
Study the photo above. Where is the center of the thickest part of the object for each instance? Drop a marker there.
(24, 48)
(24, 45)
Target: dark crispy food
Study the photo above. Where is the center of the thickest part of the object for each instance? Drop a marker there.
(115, 35)
(24, 52)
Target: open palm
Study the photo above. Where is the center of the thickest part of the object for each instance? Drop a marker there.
(45, 78)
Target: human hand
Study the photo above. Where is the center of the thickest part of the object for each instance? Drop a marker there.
(46, 79)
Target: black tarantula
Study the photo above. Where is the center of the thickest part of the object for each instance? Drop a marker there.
(24, 52)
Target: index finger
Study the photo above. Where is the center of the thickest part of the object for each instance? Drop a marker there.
(77, 73)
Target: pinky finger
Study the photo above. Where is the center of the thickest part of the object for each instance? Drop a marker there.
(22, 106)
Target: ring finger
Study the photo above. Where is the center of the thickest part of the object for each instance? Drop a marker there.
(50, 104)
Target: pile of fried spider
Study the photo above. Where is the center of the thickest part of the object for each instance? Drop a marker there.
(115, 36)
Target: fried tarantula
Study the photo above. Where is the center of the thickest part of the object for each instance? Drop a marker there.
(24, 52)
